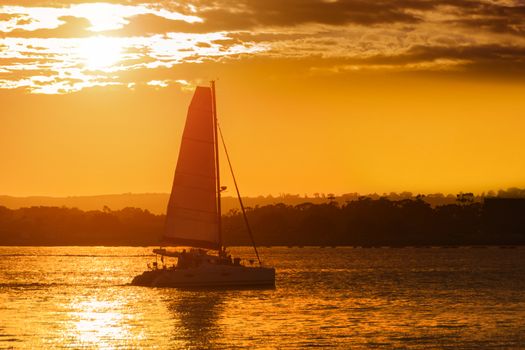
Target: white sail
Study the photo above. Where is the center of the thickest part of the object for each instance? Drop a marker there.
(192, 218)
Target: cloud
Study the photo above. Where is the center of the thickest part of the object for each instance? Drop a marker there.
(149, 24)
(101, 16)
(494, 18)
(243, 15)
(100, 60)
(63, 39)
(481, 53)
(490, 58)
(229, 15)
(70, 27)
(487, 60)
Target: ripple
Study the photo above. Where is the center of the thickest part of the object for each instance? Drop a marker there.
(333, 298)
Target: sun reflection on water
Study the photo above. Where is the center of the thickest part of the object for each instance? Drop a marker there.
(410, 298)
(96, 323)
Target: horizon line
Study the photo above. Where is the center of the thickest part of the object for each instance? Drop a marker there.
(280, 195)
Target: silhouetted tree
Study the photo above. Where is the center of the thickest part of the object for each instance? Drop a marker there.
(365, 221)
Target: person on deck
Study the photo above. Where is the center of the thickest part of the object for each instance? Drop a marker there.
(183, 260)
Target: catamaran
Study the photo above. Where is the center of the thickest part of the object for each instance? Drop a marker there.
(193, 217)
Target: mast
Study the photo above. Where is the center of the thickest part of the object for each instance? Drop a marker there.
(217, 170)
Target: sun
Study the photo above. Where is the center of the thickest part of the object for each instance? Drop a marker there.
(100, 53)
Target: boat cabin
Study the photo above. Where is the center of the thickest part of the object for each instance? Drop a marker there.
(193, 258)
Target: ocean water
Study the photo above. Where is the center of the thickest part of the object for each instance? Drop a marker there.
(413, 298)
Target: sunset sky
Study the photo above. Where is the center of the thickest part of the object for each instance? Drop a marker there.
(313, 96)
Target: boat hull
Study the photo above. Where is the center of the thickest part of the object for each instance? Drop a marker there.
(208, 277)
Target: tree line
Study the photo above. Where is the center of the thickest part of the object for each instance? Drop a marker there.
(362, 222)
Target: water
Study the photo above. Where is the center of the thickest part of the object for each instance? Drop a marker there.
(80, 297)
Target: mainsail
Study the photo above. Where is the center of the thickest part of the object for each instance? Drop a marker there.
(192, 216)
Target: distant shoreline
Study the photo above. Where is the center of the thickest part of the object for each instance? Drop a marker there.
(500, 246)
(156, 202)
(365, 222)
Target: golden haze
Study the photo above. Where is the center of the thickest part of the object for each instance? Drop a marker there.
(303, 108)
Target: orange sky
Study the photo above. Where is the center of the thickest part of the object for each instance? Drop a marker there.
(313, 96)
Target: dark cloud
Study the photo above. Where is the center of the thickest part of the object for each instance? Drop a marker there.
(242, 15)
(230, 15)
(248, 14)
(494, 18)
(474, 14)
(480, 53)
(485, 59)
(292, 12)
(245, 15)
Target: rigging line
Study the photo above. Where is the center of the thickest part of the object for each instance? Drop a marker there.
(239, 195)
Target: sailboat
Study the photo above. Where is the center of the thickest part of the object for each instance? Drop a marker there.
(193, 217)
